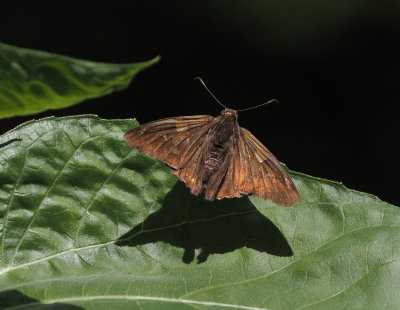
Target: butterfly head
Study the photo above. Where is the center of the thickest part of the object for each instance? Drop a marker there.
(229, 112)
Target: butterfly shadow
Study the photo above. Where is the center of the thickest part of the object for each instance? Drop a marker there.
(13, 299)
(216, 227)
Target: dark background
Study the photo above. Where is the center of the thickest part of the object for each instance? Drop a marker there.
(334, 66)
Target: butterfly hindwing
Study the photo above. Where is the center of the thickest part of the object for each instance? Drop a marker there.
(227, 188)
(193, 173)
(190, 173)
(236, 181)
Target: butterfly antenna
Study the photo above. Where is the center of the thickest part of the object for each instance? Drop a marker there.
(212, 95)
(260, 105)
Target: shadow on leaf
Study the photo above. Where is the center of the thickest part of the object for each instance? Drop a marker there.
(13, 299)
(222, 226)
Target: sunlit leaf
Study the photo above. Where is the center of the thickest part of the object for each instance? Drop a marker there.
(34, 81)
(86, 222)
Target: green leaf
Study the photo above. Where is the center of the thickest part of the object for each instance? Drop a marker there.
(86, 222)
(34, 81)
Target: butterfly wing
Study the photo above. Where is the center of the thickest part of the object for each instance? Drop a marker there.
(249, 167)
(191, 172)
(254, 170)
(269, 179)
(173, 140)
(239, 177)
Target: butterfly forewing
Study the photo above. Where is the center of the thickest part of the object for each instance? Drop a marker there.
(271, 180)
(173, 140)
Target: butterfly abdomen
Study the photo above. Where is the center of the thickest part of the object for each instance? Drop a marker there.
(215, 155)
(213, 162)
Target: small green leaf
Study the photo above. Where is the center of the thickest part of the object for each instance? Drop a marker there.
(87, 222)
(34, 81)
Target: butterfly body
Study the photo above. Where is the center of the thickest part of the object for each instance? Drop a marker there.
(215, 155)
(218, 148)
(220, 139)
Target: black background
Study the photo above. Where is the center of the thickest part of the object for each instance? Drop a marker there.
(334, 66)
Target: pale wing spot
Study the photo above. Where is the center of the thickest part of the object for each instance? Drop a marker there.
(178, 138)
(175, 152)
(259, 158)
(165, 137)
(181, 127)
(249, 179)
(255, 167)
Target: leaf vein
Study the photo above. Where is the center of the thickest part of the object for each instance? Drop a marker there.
(12, 198)
(92, 199)
(43, 198)
(265, 276)
(353, 284)
(188, 302)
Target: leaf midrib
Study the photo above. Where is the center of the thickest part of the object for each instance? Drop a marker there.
(182, 298)
(136, 298)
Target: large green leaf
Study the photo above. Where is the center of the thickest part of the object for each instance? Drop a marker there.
(34, 81)
(88, 222)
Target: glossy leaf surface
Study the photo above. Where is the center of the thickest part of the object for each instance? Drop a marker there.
(33, 81)
(86, 222)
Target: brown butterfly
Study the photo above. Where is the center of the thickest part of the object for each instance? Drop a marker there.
(215, 154)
